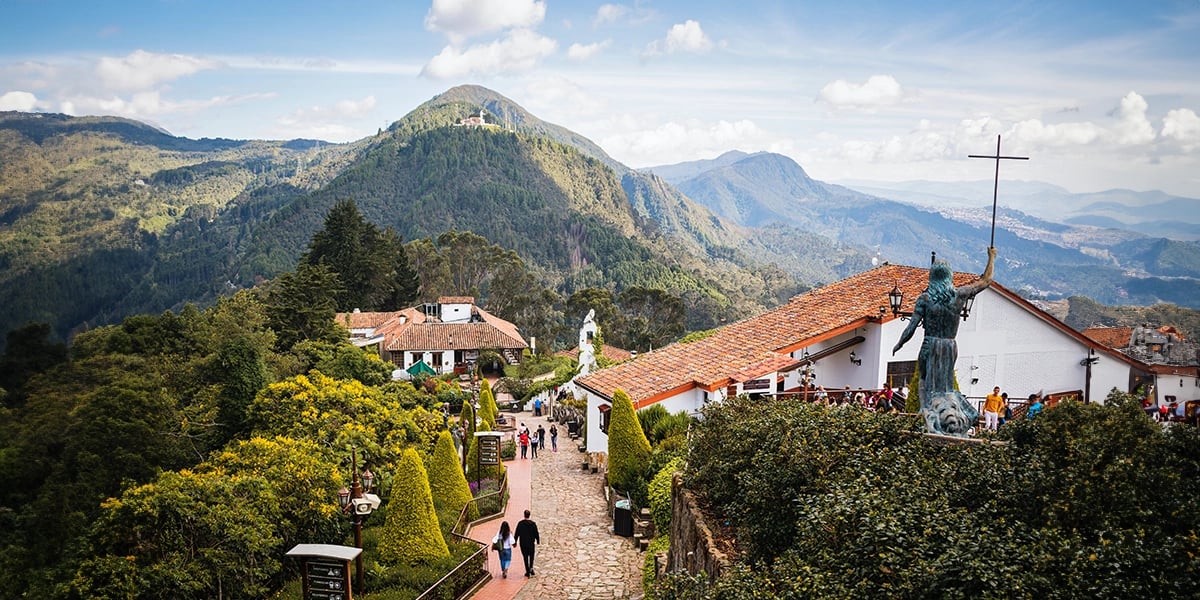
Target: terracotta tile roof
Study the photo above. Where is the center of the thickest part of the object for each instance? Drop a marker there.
(1113, 337)
(365, 320)
(759, 345)
(456, 300)
(411, 329)
(446, 336)
(612, 353)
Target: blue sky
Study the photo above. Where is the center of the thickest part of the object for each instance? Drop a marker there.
(1099, 95)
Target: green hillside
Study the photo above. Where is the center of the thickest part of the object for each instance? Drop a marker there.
(101, 217)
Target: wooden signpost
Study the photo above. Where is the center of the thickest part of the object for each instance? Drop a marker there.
(326, 570)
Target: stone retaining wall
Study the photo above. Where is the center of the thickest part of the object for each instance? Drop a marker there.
(693, 548)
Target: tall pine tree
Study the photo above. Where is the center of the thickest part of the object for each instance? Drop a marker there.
(371, 264)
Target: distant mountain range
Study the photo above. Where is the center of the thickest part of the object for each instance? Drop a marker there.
(103, 217)
(1153, 213)
(1044, 257)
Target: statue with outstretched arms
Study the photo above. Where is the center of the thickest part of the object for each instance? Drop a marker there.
(937, 310)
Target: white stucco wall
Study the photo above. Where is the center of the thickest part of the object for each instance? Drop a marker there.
(456, 313)
(597, 441)
(1012, 348)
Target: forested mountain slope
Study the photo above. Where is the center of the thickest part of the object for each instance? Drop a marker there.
(103, 217)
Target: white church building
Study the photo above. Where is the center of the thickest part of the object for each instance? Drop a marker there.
(843, 334)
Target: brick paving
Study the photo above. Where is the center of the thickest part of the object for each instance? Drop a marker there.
(579, 557)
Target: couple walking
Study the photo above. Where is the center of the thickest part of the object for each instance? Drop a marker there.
(526, 536)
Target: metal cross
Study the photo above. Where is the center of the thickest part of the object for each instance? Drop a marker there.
(996, 185)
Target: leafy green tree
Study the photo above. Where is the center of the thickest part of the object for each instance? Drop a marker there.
(432, 269)
(628, 448)
(411, 535)
(472, 260)
(186, 535)
(302, 305)
(337, 413)
(240, 367)
(343, 360)
(301, 475)
(29, 351)
(653, 318)
(371, 265)
(448, 484)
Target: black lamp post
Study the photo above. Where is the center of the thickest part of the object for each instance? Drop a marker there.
(896, 300)
(358, 503)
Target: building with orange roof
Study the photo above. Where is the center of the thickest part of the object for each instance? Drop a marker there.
(1174, 361)
(845, 332)
(445, 335)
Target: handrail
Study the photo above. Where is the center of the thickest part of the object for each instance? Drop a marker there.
(477, 559)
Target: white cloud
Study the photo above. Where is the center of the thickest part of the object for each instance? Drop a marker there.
(325, 122)
(560, 98)
(585, 51)
(1132, 125)
(520, 51)
(1037, 133)
(609, 13)
(462, 19)
(879, 90)
(1183, 125)
(23, 101)
(148, 105)
(675, 142)
(682, 37)
(143, 70)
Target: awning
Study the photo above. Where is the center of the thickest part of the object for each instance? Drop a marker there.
(420, 368)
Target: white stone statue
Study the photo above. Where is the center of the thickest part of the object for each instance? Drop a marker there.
(587, 352)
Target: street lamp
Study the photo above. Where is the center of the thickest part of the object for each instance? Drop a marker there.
(358, 502)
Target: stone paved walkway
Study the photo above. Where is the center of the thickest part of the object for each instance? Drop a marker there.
(579, 558)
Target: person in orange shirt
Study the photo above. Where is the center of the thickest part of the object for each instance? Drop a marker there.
(992, 405)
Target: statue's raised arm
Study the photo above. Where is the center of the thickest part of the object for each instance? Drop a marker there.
(984, 280)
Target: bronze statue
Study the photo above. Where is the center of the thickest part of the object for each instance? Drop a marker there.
(946, 411)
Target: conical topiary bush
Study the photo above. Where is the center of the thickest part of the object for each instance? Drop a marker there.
(411, 534)
(628, 448)
(487, 400)
(448, 484)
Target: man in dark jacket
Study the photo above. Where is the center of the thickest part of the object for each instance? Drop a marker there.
(527, 536)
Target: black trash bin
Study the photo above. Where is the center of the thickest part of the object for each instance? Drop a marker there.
(623, 518)
(573, 428)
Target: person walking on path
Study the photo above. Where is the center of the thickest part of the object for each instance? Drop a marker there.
(533, 445)
(992, 405)
(503, 544)
(553, 438)
(524, 438)
(541, 437)
(527, 537)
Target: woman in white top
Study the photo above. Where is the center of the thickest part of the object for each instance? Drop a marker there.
(505, 541)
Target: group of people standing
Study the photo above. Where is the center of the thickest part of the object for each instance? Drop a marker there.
(884, 399)
(996, 410)
(531, 442)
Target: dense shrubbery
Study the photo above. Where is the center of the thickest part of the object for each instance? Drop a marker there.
(1085, 501)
